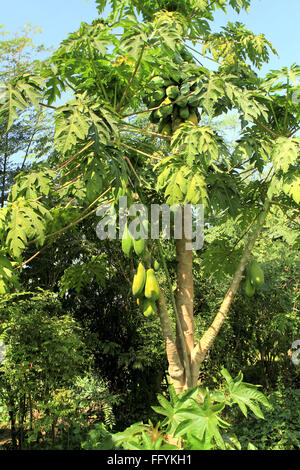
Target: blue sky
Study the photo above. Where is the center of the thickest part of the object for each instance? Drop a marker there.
(277, 19)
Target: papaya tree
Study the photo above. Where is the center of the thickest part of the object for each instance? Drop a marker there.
(141, 124)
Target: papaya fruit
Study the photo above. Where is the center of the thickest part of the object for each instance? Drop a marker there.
(156, 265)
(249, 288)
(154, 118)
(159, 95)
(167, 108)
(152, 290)
(182, 103)
(139, 246)
(184, 113)
(156, 83)
(193, 101)
(172, 91)
(149, 308)
(139, 280)
(256, 274)
(127, 242)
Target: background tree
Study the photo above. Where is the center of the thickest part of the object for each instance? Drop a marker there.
(28, 135)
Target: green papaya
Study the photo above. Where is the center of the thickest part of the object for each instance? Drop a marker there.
(152, 290)
(159, 95)
(172, 91)
(256, 274)
(184, 113)
(139, 280)
(154, 118)
(249, 288)
(182, 102)
(193, 101)
(156, 265)
(156, 82)
(127, 242)
(149, 308)
(139, 246)
(166, 109)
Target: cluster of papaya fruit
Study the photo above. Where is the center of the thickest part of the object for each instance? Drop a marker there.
(173, 98)
(130, 244)
(254, 278)
(145, 287)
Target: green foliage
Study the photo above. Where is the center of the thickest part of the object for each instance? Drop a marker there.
(44, 352)
(79, 275)
(38, 182)
(280, 429)
(25, 220)
(192, 417)
(19, 96)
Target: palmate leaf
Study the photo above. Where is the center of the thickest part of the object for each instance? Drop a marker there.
(33, 184)
(197, 144)
(8, 275)
(135, 36)
(71, 126)
(202, 421)
(168, 29)
(245, 395)
(184, 185)
(285, 153)
(25, 220)
(291, 185)
(18, 96)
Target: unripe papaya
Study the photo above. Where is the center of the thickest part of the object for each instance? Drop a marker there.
(167, 108)
(172, 91)
(127, 242)
(149, 308)
(182, 102)
(139, 246)
(256, 274)
(184, 113)
(139, 280)
(152, 290)
(156, 82)
(158, 95)
(249, 288)
(156, 265)
(154, 118)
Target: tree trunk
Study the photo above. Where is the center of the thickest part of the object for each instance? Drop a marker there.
(185, 293)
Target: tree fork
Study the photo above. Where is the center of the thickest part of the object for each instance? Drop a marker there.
(203, 346)
(176, 369)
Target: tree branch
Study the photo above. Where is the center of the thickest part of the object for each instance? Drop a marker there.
(203, 346)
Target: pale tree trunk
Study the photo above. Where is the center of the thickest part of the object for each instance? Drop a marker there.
(176, 368)
(185, 293)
